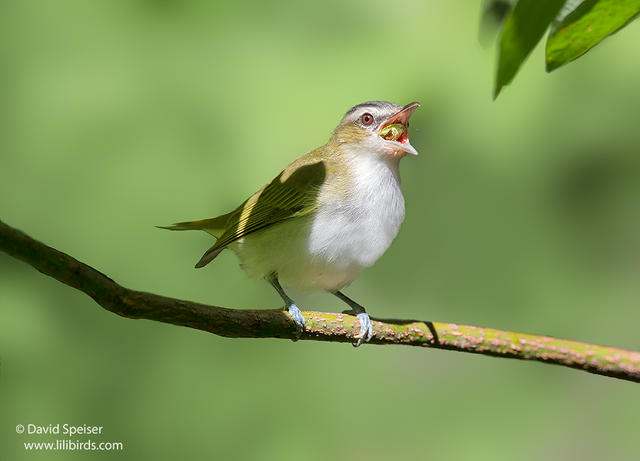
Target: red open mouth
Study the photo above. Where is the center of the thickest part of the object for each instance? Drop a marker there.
(395, 129)
(404, 138)
(393, 132)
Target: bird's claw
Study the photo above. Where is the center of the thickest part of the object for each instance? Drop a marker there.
(366, 329)
(297, 316)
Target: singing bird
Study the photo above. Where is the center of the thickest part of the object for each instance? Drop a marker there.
(327, 216)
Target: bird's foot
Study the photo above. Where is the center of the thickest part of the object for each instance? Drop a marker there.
(366, 329)
(297, 316)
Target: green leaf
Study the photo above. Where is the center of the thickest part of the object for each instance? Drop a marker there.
(585, 27)
(523, 29)
(566, 10)
(494, 13)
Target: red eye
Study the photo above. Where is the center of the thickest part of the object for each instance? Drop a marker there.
(367, 119)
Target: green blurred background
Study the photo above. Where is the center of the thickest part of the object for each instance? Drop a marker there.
(522, 214)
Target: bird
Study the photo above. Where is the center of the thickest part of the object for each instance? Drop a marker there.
(327, 216)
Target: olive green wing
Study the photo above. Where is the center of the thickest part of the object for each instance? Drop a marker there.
(291, 194)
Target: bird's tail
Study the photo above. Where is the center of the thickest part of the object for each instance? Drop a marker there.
(214, 226)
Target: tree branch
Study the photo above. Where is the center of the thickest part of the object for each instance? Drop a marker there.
(321, 326)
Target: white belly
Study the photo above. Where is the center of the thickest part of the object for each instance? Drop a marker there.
(329, 249)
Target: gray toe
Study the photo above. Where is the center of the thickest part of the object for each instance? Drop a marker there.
(297, 316)
(366, 329)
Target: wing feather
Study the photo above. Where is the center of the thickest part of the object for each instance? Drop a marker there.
(291, 194)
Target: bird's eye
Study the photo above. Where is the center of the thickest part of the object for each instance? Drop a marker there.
(366, 119)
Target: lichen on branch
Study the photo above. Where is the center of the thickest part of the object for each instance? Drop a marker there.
(321, 326)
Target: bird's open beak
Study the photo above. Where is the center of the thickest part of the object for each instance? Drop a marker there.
(394, 129)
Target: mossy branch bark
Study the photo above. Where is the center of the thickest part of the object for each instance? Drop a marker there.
(321, 326)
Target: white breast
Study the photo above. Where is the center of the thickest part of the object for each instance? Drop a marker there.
(355, 232)
(330, 248)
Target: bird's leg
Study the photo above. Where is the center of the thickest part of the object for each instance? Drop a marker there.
(366, 327)
(289, 304)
